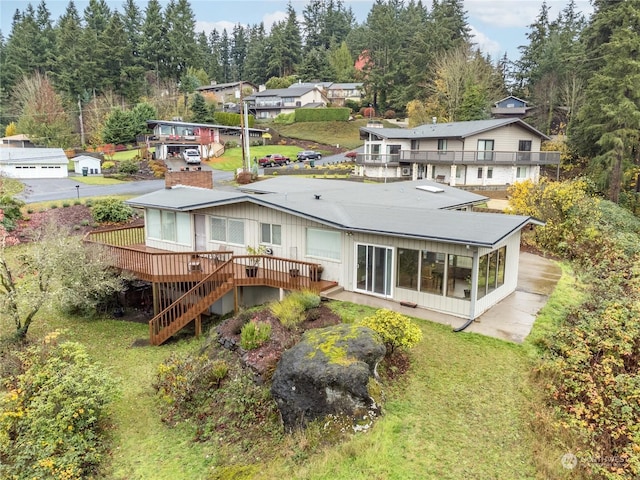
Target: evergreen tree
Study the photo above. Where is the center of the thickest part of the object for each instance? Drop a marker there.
(316, 67)
(238, 52)
(153, 44)
(224, 52)
(199, 111)
(132, 24)
(214, 69)
(383, 50)
(70, 62)
(607, 127)
(21, 56)
(45, 40)
(342, 63)
(181, 42)
(256, 63)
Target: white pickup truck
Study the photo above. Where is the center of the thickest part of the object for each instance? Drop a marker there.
(191, 155)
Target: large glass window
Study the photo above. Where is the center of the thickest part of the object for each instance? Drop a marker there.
(408, 262)
(271, 234)
(491, 272)
(183, 228)
(323, 244)
(236, 231)
(154, 229)
(169, 226)
(432, 272)
(485, 150)
(229, 230)
(218, 229)
(442, 145)
(459, 276)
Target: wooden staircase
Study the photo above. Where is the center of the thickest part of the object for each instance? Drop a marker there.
(192, 304)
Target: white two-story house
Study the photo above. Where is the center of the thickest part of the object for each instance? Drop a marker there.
(495, 152)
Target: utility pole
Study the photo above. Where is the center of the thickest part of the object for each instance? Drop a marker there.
(82, 142)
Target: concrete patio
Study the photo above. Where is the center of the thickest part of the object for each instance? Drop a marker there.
(511, 319)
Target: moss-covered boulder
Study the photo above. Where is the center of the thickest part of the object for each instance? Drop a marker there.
(331, 371)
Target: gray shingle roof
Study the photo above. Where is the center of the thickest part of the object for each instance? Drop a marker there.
(45, 156)
(450, 130)
(395, 209)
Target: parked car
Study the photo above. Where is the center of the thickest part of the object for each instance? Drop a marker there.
(351, 155)
(191, 155)
(273, 159)
(308, 155)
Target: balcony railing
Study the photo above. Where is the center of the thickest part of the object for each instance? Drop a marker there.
(459, 157)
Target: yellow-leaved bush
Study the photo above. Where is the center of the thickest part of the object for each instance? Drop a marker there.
(395, 330)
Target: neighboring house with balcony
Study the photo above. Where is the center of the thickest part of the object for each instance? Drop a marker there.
(412, 242)
(337, 93)
(479, 153)
(510, 107)
(271, 103)
(171, 138)
(227, 93)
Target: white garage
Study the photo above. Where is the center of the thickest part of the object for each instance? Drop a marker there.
(33, 162)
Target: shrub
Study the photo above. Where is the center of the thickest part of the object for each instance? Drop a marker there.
(66, 204)
(111, 210)
(390, 114)
(395, 329)
(128, 167)
(289, 311)
(77, 202)
(54, 413)
(54, 206)
(244, 178)
(307, 298)
(108, 165)
(254, 335)
(11, 212)
(185, 381)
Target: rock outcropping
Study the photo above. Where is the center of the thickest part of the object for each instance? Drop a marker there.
(332, 371)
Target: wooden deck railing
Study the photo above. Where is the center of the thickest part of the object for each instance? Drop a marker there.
(192, 304)
(186, 284)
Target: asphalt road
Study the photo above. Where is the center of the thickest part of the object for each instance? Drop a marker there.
(51, 189)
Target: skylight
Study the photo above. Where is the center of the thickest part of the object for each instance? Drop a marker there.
(430, 188)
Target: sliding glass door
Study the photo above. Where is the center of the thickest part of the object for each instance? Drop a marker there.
(374, 268)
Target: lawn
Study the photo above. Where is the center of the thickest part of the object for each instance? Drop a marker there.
(460, 412)
(97, 180)
(345, 134)
(232, 158)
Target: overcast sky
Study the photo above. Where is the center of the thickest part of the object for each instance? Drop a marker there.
(498, 26)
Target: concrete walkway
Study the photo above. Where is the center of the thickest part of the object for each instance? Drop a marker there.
(511, 319)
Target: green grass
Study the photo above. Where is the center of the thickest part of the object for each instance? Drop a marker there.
(345, 134)
(567, 294)
(10, 186)
(38, 206)
(461, 412)
(126, 154)
(97, 180)
(232, 158)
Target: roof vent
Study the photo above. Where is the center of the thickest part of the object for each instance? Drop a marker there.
(317, 196)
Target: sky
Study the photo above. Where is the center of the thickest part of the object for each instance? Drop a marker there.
(497, 26)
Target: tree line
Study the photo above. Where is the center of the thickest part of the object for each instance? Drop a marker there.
(580, 74)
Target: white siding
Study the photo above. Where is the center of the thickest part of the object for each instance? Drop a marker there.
(343, 271)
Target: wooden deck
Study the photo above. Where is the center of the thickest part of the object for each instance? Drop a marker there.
(186, 284)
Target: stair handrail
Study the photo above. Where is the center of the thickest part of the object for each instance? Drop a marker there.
(194, 292)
